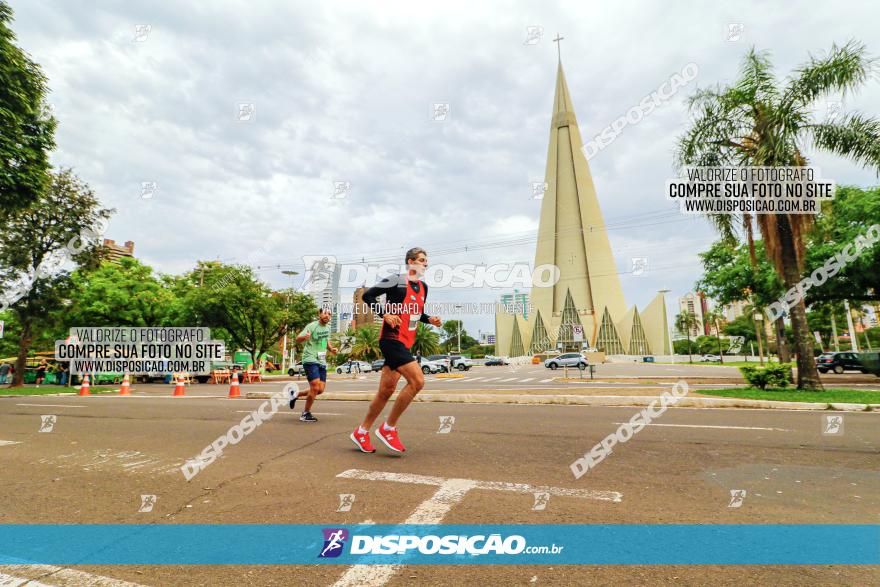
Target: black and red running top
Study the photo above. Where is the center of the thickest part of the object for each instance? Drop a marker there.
(403, 298)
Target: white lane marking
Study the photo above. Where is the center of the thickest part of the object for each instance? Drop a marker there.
(478, 484)
(546, 380)
(527, 379)
(8, 442)
(715, 427)
(50, 405)
(432, 511)
(508, 379)
(68, 577)
(474, 378)
(490, 379)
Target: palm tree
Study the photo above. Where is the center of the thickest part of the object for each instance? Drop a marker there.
(427, 342)
(753, 310)
(366, 342)
(684, 321)
(713, 318)
(759, 122)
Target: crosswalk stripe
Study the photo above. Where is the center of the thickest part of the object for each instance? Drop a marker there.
(508, 379)
(490, 379)
(474, 378)
(545, 380)
(527, 379)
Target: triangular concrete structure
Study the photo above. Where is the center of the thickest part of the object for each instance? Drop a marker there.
(632, 335)
(608, 341)
(656, 325)
(572, 236)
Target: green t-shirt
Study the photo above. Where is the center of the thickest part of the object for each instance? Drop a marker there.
(315, 348)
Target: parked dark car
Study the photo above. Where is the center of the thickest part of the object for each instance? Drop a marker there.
(500, 361)
(871, 362)
(840, 362)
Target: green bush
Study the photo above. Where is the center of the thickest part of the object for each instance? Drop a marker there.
(772, 375)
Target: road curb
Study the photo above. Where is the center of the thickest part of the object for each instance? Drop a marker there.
(849, 407)
(609, 400)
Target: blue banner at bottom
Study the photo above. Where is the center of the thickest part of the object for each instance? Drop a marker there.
(525, 544)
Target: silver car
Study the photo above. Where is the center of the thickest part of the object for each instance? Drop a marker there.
(567, 360)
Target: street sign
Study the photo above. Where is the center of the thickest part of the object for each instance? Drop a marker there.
(578, 332)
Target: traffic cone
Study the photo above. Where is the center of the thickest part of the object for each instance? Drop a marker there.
(180, 388)
(234, 390)
(84, 389)
(126, 386)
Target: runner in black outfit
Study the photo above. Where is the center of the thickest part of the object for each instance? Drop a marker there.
(401, 313)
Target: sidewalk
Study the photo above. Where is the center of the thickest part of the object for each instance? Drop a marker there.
(590, 397)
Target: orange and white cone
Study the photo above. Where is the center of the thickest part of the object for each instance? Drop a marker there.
(84, 388)
(126, 386)
(234, 389)
(180, 388)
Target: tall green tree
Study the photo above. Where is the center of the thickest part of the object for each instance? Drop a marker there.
(450, 336)
(62, 226)
(27, 130)
(841, 222)
(733, 272)
(241, 309)
(759, 122)
(124, 293)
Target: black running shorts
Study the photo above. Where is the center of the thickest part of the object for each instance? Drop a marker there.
(395, 352)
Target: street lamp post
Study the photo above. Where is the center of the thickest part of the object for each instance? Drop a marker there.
(284, 344)
(458, 307)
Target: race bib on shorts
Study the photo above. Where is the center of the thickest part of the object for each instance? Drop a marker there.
(322, 357)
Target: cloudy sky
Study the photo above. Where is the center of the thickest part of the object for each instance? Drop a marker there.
(343, 91)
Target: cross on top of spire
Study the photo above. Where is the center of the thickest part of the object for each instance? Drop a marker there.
(558, 46)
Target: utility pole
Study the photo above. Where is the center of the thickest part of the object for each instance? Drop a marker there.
(290, 274)
(458, 307)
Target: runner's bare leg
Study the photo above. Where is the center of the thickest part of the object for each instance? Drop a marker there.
(387, 384)
(415, 381)
(316, 388)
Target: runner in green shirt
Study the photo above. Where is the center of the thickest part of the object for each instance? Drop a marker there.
(316, 342)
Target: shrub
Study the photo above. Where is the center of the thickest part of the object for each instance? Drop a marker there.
(773, 375)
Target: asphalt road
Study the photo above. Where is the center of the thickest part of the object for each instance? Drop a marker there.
(608, 379)
(103, 453)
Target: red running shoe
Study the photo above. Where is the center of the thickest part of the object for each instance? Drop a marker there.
(390, 438)
(362, 440)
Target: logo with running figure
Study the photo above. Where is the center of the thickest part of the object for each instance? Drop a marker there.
(334, 542)
(832, 424)
(319, 273)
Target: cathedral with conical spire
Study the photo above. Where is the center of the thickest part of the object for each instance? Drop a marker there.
(585, 307)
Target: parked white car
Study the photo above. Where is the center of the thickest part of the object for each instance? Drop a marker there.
(430, 367)
(567, 360)
(354, 367)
